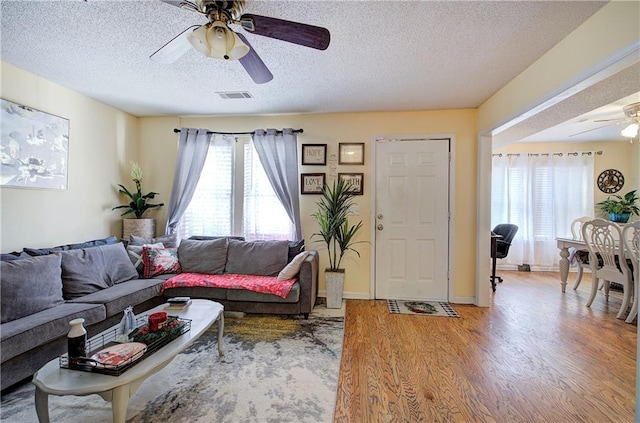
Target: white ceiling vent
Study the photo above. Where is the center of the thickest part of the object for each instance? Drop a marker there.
(231, 95)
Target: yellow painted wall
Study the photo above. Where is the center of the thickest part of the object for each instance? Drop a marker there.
(158, 144)
(102, 140)
(615, 155)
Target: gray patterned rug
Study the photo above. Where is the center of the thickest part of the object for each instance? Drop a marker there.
(275, 369)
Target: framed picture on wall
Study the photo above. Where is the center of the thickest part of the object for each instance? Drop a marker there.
(35, 148)
(351, 153)
(355, 179)
(312, 183)
(314, 154)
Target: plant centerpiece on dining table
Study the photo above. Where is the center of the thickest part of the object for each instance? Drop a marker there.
(138, 205)
(337, 234)
(620, 208)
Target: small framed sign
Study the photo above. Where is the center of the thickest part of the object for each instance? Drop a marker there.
(355, 179)
(351, 153)
(314, 154)
(312, 183)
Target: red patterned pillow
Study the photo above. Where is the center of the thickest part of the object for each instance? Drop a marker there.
(158, 261)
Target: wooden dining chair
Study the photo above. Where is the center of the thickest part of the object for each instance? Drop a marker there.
(631, 236)
(604, 238)
(581, 258)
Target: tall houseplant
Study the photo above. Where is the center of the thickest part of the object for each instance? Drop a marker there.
(620, 208)
(138, 206)
(337, 234)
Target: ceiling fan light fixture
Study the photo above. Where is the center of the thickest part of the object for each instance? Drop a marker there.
(631, 131)
(218, 41)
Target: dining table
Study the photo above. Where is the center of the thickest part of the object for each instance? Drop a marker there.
(563, 245)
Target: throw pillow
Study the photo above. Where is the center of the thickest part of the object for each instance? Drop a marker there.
(158, 261)
(135, 255)
(203, 256)
(295, 248)
(169, 241)
(260, 258)
(292, 269)
(117, 264)
(28, 286)
(89, 270)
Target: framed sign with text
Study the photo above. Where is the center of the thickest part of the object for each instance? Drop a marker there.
(351, 153)
(355, 179)
(314, 154)
(312, 183)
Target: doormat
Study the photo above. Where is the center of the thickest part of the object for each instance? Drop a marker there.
(426, 308)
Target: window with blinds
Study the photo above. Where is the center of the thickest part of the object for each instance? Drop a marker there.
(235, 197)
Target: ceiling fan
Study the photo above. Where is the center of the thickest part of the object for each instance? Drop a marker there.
(215, 39)
(632, 116)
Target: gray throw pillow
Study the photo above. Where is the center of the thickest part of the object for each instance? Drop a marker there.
(169, 241)
(260, 258)
(28, 286)
(207, 256)
(88, 270)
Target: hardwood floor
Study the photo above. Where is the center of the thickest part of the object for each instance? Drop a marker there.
(536, 355)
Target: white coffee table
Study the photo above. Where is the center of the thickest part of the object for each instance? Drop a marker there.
(52, 380)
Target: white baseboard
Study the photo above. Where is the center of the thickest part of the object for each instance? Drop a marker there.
(349, 295)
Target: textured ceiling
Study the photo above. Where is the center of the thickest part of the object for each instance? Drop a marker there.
(384, 55)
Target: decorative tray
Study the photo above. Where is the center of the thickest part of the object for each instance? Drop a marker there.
(108, 356)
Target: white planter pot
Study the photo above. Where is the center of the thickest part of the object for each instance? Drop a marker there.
(335, 285)
(145, 228)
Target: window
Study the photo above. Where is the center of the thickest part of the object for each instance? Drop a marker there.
(235, 197)
(542, 194)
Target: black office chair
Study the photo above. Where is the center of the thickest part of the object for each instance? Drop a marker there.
(506, 231)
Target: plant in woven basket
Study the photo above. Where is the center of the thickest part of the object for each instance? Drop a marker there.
(139, 203)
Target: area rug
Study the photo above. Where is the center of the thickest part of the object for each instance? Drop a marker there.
(424, 308)
(275, 369)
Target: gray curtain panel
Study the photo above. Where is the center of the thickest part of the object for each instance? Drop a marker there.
(278, 154)
(192, 152)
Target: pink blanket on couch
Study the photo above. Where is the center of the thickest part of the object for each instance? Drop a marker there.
(262, 284)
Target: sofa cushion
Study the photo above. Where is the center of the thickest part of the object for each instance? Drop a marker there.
(159, 261)
(203, 256)
(135, 254)
(28, 286)
(257, 297)
(169, 241)
(15, 255)
(292, 269)
(87, 244)
(24, 334)
(262, 258)
(88, 270)
(120, 296)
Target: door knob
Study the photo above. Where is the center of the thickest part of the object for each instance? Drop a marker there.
(380, 227)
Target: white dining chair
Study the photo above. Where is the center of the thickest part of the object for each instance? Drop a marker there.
(581, 258)
(604, 238)
(631, 236)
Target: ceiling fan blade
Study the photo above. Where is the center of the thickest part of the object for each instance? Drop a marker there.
(254, 65)
(177, 3)
(175, 48)
(292, 32)
(611, 120)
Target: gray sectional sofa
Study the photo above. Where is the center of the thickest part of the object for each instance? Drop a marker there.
(43, 289)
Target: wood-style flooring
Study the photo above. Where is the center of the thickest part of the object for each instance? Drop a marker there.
(536, 355)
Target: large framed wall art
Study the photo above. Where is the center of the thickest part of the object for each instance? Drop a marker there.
(34, 148)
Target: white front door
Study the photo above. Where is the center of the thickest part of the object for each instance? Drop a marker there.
(412, 219)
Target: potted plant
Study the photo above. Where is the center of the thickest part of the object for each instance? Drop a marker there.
(337, 233)
(619, 209)
(138, 206)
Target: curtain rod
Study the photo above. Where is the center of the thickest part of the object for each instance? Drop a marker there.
(295, 131)
(573, 153)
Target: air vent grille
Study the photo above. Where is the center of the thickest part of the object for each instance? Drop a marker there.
(233, 95)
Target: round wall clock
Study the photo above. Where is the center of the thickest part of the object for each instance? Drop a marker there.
(610, 181)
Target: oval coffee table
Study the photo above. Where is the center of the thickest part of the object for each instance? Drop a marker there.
(52, 380)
